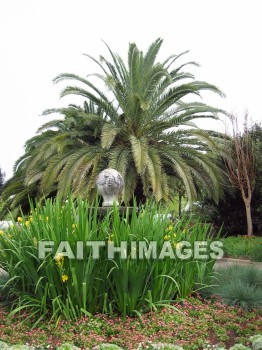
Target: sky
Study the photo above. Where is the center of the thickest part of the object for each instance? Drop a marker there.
(41, 39)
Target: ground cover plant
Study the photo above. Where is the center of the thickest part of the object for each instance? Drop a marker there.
(243, 247)
(237, 285)
(56, 286)
(193, 324)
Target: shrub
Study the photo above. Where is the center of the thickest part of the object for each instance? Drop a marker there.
(256, 341)
(256, 253)
(248, 274)
(239, 285)
(67, 346)
(241, 294)
(239, 347)
(56, 285)
(21, 347)
(3, 345)
(241, 246)
(107, 347)
(160, 346)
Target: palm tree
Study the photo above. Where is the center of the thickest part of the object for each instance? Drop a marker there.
(144, 127)
(141, 129)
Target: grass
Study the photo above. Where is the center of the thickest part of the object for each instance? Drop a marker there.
(238, 285)
(193, 324)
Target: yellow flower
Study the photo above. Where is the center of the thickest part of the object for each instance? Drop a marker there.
(59, 258)
(170, 228)
(64, 278)
(31, 218)
(19, 219)
(27, 223)
(47, 218)
(9, 236)
(1, 232)
(74, 226)
(110, 237)
(167, 237)
(177, 245)
(174, 235)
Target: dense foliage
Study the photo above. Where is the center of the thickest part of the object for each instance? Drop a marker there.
(239, 285)
(230, 211)
(144, 128)
(58, 286)
(256, 132)
(243, 247)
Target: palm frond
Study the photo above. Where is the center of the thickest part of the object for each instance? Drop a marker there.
(140, 153)
(108, 135)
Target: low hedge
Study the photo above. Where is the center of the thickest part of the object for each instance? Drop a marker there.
(243, 247)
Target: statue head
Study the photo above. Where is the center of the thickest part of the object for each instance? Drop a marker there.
(109, 184)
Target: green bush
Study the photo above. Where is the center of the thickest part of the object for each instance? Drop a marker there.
(242, 246)
(56, 285)
(67, 346)
(256, 341)
(239, 285)
(160, 346)
(248, 274)
(3, 345)
(239, 347)
(255, 253)
(107, 347)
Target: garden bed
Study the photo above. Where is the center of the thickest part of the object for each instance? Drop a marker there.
(192, 324)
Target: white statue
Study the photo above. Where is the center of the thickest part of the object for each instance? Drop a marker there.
(109, 184)
(5, 224)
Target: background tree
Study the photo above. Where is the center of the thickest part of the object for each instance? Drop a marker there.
(241, 166)
(256, 134)
(230, 212)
